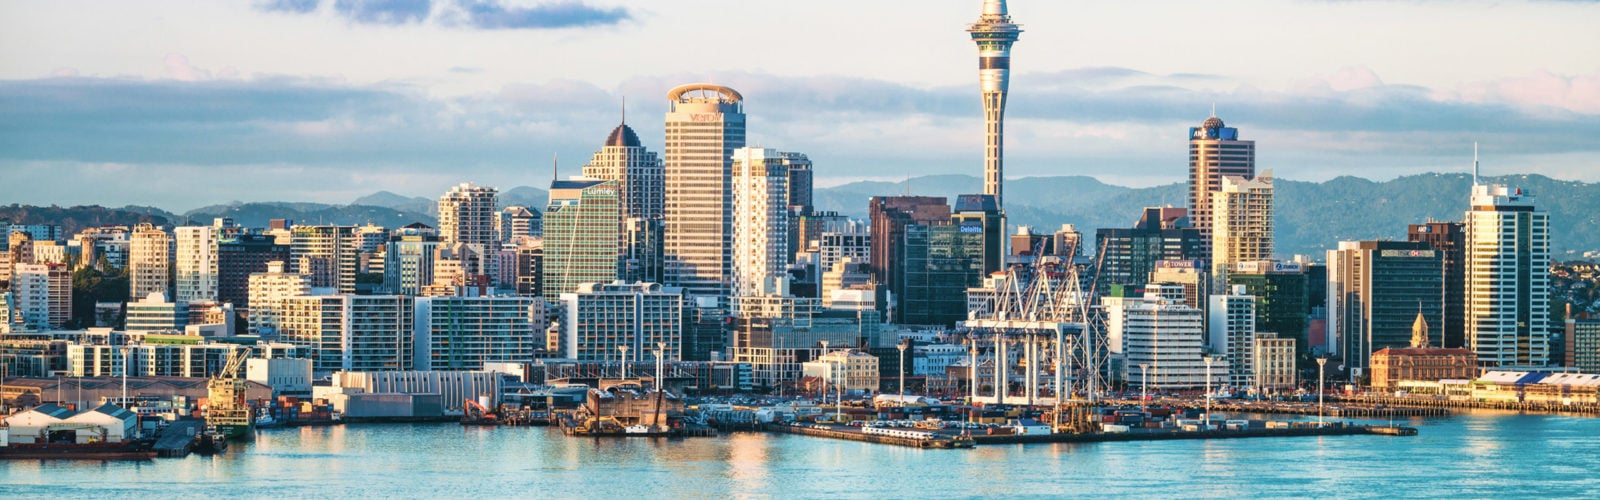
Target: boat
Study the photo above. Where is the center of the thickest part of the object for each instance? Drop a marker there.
(226, 408)
(210, 443)
(265, 420)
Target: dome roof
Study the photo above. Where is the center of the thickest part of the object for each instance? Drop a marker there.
(1212, 123)
(623, 136)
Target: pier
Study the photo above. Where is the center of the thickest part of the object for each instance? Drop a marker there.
(1430, 403)
(943, 442)
(1333, 429)
(178, 439)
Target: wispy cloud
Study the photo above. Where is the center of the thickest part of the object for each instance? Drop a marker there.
(475, 14)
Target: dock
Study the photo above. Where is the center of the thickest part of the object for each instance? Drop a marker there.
(177, 440)
(938, 443)
(1099, 437)
(1441, 404)
(1378, 410)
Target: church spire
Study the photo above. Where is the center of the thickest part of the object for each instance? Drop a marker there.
(1419, 331)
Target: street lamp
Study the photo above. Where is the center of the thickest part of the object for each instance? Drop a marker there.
(830, 372)
(624, 349)
(1144, 394)
(902, 347)
(661, 350)
(1320, 363)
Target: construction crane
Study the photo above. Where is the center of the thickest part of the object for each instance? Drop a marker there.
(473, 413)
(227, 412)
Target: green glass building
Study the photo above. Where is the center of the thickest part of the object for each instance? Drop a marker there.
(582, 235)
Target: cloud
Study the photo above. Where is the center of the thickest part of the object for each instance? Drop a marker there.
(474, 14)
(486, 14)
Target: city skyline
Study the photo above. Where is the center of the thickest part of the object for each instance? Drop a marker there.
(412, 102)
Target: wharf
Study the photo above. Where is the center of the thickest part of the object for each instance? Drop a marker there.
(1368, 410)
(942, 442)
(177, 440)
(1098, 437)
(1410, 402)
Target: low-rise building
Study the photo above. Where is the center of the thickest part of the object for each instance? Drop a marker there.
(855, 370)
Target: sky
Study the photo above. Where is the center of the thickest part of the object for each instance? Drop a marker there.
(182, 104)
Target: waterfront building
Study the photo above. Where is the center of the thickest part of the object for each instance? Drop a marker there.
(154, 313)
(636, 172)
(466, 333)
(1419, 362)
(761, 218)
(1275, 364)
(599, 318)
(43, 295)
(149, 261)
(776, 332)
(994, 33)
(1241, 222)
(1215, 152)
(1375, 289)
(704, 125)
(267, 291)
(153, 359)
(1161, 333)
(327, 255)
(195, 264)
(349, 332)
(1232, 335)
(849, 369)
(981, 213)
(1280, 289)
(582, 238)
(1450, 240)
(517, 221)
(940, 262)
(888, 217)
(1131, 254)
(1583, 343)
(1508, 278)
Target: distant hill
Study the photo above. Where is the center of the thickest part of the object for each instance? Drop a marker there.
(74, 219)
(258, 214)
(1311, 217)
(387, 199)
(525, 196)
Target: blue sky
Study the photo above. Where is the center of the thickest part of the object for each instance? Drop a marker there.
(181, 104)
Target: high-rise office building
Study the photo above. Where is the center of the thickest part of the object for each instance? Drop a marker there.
(408, 261)
(981, 213)
(1241, 222)
(642, 251)
(1281, 291)
(195, 264)
(1450, 240)
(1131, 254)
(530, 267)
(240, 256)
(705, 124)
(637, 173)
(327, 255)
(1582, 343)
(582, 237)
(761, 218)
(889, 216)
(1508, 279)
(938, 264)
(994, 33)
(1376, 289)
(599, 318)
(149, 261)
(800, 182)
(1231, 335)
(1215, 151)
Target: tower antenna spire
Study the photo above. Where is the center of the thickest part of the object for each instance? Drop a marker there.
(624, 110)
(1213, 108)
(1474, 163)
(555, 167)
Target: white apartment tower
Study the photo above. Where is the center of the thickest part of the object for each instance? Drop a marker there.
(761, 218)
(195, 264)
(1508, 282)
(149, 261)
(1232, 336)
(1163, 339)
(705, 124)
(267, 292)
(467, 215)
(599, 318)
(1241, 223)
(636, 171)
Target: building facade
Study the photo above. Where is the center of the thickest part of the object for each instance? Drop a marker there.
(583, 235)
(1161, 234)
(1215, 152)
(1508, 278)
(704, 125)
(149, 261)
(465, 333)
(1450, 240)
(195, 264)
(599, 319)
(761, 218)
(1232, 335)
(636, 172)
(1375, 290)
(1241, 222)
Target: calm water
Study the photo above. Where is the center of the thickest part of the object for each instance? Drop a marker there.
(1474, 456)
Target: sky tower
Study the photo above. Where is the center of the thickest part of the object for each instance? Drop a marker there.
(994, 33)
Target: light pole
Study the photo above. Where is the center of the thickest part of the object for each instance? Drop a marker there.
(1208, 359)
(1144, 394)
(661, 350)
(902, 347)
(824, 354)
(1320, 363)
(624, 349)
(838, 400)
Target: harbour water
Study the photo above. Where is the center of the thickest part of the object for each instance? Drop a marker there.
(1472, 455)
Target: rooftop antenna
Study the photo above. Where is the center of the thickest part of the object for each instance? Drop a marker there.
(1474, 163)
(1213, 108)
(555, 167)
(624, 110)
